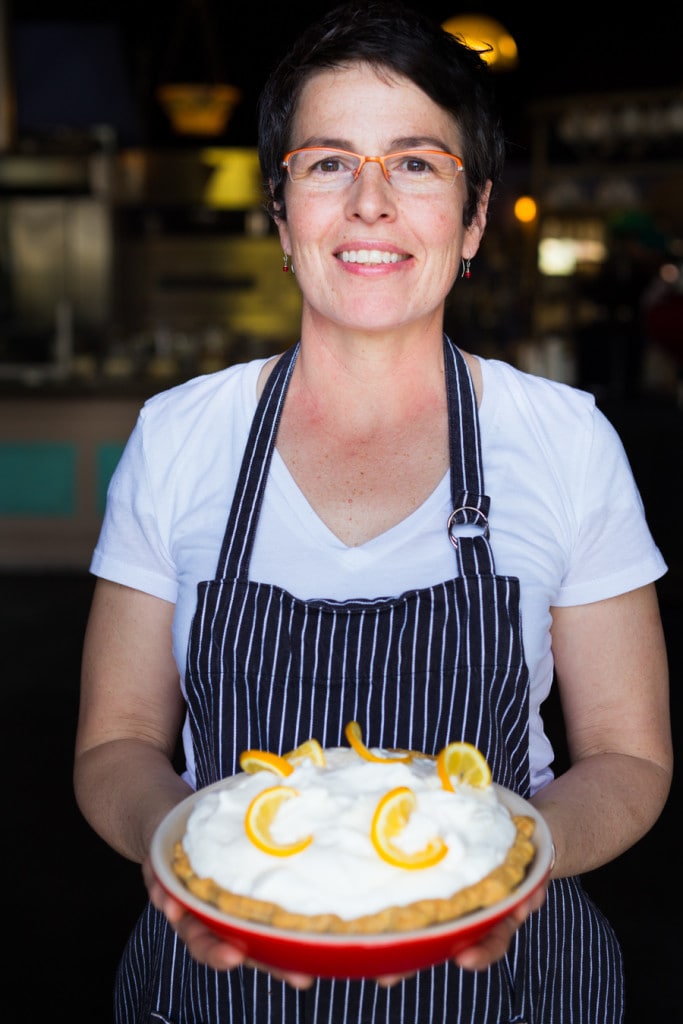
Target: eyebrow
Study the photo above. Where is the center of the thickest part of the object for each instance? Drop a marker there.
(395, 146)
(419, 142)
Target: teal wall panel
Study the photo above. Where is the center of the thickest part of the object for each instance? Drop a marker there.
(38, 478)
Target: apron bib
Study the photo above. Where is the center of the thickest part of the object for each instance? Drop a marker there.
(266, 670)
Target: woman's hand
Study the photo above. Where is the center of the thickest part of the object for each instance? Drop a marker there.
(495, 943)
(203, 944)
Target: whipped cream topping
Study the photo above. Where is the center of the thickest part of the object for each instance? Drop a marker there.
(340, 872)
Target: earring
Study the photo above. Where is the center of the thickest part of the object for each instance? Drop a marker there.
(285, 262)
(466, 273)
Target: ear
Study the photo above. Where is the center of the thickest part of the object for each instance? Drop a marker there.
(275, 206)
(283, 232)
(475, 231)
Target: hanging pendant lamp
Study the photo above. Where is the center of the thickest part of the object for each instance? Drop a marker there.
(487, 35)
(197, 107)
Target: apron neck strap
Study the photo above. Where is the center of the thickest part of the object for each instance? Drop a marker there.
(467, 525)
(233, 561)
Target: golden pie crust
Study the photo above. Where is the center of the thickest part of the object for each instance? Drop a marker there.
(491, 889)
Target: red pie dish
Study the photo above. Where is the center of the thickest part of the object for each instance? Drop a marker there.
(348, 956)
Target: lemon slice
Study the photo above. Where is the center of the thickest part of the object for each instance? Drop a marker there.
(463, 763)
(262, 760)
(390, 818)
(308, 751)
(355, 738)
(260, 815)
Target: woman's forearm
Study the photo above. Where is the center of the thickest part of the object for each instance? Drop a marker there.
(600, 807)
(124, 788)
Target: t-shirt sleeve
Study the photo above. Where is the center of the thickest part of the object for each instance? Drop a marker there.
(614, 550)
(130, 549)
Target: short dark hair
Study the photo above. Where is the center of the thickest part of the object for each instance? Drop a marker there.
(402, 40)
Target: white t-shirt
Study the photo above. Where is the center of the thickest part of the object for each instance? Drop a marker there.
(566, 516)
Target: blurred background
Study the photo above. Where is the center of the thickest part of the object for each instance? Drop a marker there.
(135, 253)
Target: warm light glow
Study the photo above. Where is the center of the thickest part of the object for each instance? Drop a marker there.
(557, 257)
(526, 209)
(570, 245)
(197, 109)
(480, 32)
(669, 273)
(235, 181)
(560, 257)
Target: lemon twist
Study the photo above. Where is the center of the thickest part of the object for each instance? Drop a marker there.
(252, 761)
(308, 751)
(461, 762)
(260, 816)
(355, 738)
(389, 820)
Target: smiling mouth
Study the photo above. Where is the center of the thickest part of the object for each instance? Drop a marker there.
(370, 256)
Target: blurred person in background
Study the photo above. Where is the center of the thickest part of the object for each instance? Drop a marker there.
(612, 348)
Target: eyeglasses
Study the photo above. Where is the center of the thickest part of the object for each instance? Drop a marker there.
(419, 171)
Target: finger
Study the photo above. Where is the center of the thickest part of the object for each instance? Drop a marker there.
(387, 980)
(206, 947)
(493, 946)
(292, 978)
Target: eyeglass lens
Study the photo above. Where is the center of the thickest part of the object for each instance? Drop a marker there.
(411, 171)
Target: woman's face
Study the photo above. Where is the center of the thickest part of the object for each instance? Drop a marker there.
(354, 109)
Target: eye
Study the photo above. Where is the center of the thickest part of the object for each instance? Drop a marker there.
(330, 165)
(415, 164)
(333, 163)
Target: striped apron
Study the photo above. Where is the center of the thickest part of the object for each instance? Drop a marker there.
(267, 670)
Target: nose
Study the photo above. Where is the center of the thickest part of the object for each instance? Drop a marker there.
(371, 196)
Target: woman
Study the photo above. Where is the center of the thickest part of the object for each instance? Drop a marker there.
(338, 468)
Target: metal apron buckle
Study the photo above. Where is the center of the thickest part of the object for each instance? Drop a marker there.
(466, 508)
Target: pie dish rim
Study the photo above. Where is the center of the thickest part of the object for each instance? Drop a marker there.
(347, 955)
